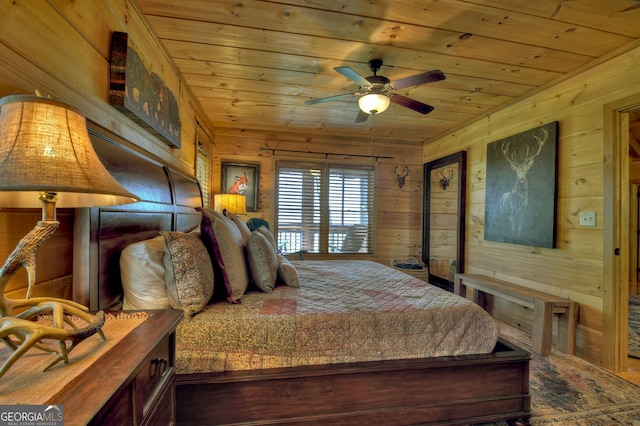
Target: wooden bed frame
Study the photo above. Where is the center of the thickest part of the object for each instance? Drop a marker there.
(444, 390)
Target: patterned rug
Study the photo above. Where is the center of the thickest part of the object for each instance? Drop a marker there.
(566, 390)
(634, 326)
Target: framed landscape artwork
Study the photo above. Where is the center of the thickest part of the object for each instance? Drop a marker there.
(520, 201)
(141, 94)
(243, 179)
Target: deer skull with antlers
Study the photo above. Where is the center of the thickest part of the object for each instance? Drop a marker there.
(399, 176)
(445, 181)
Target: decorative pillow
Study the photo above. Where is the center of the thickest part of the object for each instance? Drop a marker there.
(267, 233)
(242, 227)
(188, 272)
(224, 244)
(287, 272)
(142, 274)
(262, 261)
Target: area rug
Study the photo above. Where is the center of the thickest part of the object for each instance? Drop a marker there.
(566, 390)
(634, 326)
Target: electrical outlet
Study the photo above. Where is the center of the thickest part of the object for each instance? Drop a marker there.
(587, 218)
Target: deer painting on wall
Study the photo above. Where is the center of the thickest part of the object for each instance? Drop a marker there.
(513, 203)
(521, 182)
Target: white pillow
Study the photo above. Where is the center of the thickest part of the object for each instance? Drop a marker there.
(142, 275)
(287, 273)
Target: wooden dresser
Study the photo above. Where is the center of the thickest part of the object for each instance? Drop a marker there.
(131, 384)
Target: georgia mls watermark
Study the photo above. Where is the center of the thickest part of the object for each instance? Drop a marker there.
(31, 415)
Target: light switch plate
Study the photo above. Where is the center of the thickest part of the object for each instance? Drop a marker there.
(587, 218)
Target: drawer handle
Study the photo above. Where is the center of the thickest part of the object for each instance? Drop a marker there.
(158, 367)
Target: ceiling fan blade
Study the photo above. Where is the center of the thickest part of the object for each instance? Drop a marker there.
(362, 116)
(327, 99)
(352, 75)
(411, 104)
(416, 80)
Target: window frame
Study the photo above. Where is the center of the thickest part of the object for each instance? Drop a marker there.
(365, 234)
(203, 158)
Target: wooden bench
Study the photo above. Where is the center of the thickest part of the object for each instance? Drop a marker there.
(544, 307)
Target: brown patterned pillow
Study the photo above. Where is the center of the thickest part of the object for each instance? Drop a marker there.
(224, 244)
(262, 261)
(188, 272)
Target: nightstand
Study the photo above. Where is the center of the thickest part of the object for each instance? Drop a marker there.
(132, 383)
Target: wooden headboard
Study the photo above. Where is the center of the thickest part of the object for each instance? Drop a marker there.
(168, 200)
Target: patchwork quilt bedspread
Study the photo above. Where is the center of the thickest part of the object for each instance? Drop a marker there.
(344, 311)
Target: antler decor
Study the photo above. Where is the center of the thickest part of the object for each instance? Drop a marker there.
(30, 333)
(445, 181)
(46, 158)
(401, 177)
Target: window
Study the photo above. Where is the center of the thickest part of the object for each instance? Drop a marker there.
(203, 171)
(324, 208)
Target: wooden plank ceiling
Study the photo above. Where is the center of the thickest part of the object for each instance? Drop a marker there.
(252, 64)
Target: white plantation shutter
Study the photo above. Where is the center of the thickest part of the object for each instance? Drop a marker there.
(350, 209)
(203, 171)
(322, 208)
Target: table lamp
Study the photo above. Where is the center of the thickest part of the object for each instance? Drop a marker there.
(46, 160)
(230, 203)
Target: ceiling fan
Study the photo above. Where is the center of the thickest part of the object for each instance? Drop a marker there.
(376, 91)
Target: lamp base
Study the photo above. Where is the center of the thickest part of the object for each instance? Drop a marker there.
(24, 255)
(28, 333)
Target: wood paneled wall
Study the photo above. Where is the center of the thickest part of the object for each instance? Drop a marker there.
(575, 267)
(62, 49)
(398, 215)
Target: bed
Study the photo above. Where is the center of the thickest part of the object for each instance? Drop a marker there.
(404, 370)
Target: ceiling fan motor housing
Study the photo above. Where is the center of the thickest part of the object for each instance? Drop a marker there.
(378, 80)
(379, 84)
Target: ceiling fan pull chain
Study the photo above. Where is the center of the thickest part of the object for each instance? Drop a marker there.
(373, 134)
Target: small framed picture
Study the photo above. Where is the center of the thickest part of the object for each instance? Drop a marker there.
(243, 179)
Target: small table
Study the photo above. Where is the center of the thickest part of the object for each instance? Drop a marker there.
(132, 383)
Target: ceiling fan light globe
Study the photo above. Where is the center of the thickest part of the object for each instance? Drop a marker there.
(373, 103)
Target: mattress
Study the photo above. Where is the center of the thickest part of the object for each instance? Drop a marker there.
(344, 311)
